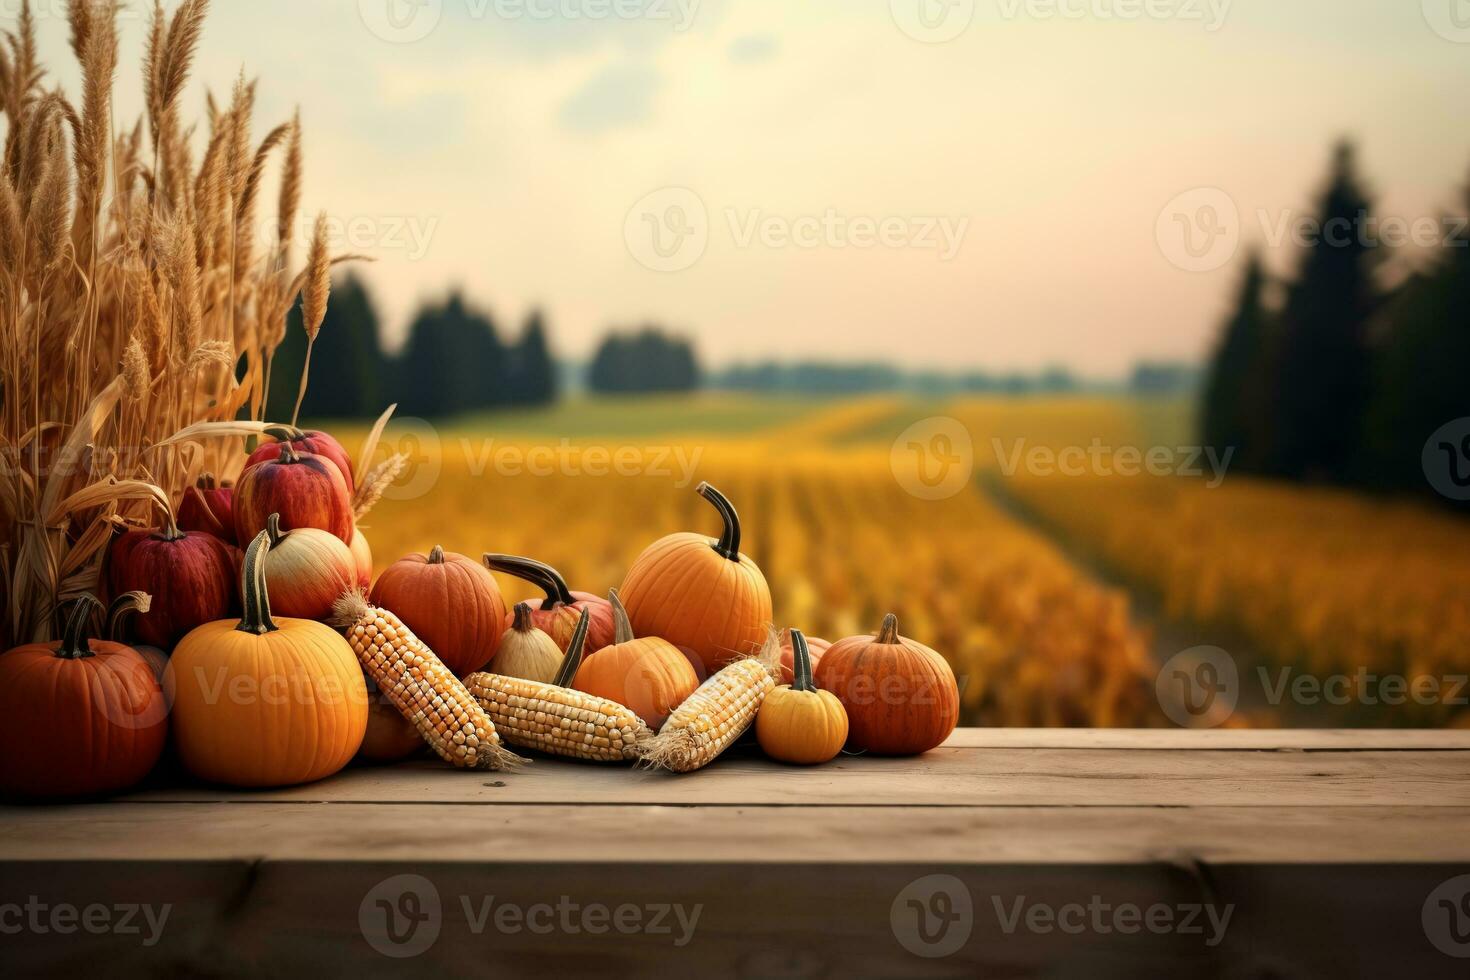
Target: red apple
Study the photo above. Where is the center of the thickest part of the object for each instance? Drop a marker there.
(305, 489)
(304, 441)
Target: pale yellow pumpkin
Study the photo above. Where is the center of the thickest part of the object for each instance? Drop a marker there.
(797, 722)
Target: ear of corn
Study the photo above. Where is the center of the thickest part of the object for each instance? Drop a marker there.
(559, 721)
(554, 719)
(424, 690)
(716, 714)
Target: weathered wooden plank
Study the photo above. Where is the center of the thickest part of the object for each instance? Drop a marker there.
(945, 776)
(1215, 740)
(632, 834)
(246, 919)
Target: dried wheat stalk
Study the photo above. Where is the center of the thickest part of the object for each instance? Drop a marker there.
(137, 321)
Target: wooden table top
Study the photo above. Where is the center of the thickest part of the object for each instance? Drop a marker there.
(1244, 814)
(986, 795)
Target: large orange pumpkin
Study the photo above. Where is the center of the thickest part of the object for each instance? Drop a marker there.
(648, 675)
(700, 594)
(901, 697)
(265, 702)
(450, 602)
(78, 716)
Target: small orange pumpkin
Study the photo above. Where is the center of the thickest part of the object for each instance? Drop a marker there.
(797, 722)
(901, 697)
(79, 716)
(264, 702)
(450, 602)
(648, 675)
(701, 594)
(390, 737)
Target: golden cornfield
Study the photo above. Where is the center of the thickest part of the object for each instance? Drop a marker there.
(1331, 581)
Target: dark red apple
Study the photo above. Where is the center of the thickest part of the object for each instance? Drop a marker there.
(304, 441)
(307, 490)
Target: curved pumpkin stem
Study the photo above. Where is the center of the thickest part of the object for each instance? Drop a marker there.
(729, 544)
(888, 634)
(801, 660)
(74, 639)
(284, 433)
(253, 595)
(289, 453)
(538, 573)
(273, 528)
(570, 663)
(121, 608)
(622, 628)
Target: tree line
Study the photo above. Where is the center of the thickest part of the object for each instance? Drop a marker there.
(1342, 371)
(454, 361)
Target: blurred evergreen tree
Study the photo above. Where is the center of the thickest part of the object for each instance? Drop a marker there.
(453, 362)
(1323, 384)
(1421, 381)
(349, 369)
(532, 372)
(1236, 399)
(646, 361)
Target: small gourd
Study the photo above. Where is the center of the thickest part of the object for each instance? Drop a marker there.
(799, 723)
(526, 651)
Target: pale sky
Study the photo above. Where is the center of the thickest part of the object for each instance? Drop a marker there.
(952, 183)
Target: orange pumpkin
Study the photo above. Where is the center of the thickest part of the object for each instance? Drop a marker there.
(700, 594)
(78, 716)
(815, 645)
(901, 697)
(265, 702)
(797, 722)
(390, 737)
(648, 675)
(450, 602)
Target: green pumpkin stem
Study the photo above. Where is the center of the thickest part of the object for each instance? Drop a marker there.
(729, 544)
(888, 634)
(253, 594)
(539, 574)
(572, 661)
(75, 643)
(622, 628)
(801, 663)
(121, 608)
